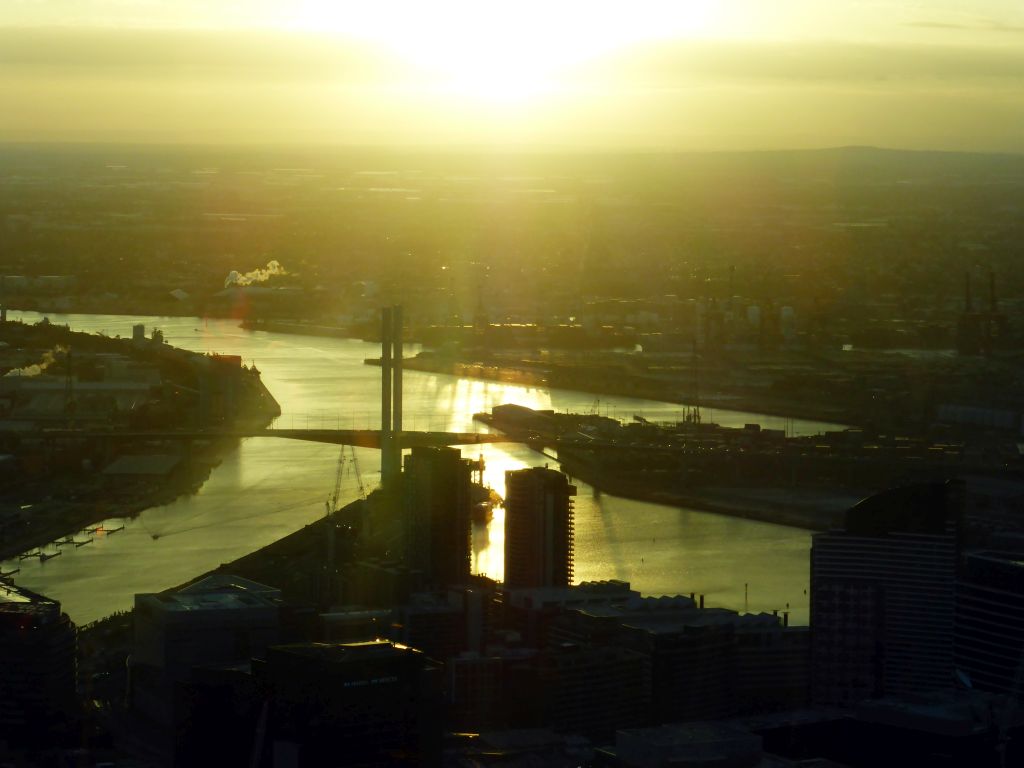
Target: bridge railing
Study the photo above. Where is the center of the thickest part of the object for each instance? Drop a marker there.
(370, 420)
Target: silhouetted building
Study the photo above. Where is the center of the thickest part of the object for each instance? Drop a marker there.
(475, 692)
(219, 620)
(520, 746)
(943, 728)
(437, 483)
(530, 612)
(592, 690)
(685, 744)
(882, 596)
(989, 639)
(373, 703)
(430, 623)
(37, 675)
(378, 583)
(701, 662)
(538, 528)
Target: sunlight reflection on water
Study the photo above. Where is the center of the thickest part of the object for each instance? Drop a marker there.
(270, 487)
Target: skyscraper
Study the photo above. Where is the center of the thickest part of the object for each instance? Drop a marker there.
(538, 528)
(882, 604)
(989, 639)
(437, 483)
(37, 678)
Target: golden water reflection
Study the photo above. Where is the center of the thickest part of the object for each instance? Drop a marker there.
(268, 487)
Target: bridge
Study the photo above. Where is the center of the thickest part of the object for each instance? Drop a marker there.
(361, 438)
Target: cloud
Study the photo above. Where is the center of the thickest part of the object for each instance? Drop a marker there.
(690, 64)
(983, 25)
(227, 88)
(190, 54)
(263, 58)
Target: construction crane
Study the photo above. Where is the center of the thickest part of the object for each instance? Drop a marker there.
(356, 472)
(332, 507)
(332, 504)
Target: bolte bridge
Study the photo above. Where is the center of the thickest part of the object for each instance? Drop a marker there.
(361, 438)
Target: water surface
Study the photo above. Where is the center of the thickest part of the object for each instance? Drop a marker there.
(269, 487)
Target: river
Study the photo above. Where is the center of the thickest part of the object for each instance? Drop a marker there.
(269, 487)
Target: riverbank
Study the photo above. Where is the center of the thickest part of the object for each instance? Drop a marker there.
(65, 405)
(810, 509)
(56, 519)
(617, 384)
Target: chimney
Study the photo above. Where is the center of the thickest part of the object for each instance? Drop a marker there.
(702, 601)
(785, 618)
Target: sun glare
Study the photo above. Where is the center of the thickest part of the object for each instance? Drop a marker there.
(506, 52)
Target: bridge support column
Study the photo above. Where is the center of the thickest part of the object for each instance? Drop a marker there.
(391, 395)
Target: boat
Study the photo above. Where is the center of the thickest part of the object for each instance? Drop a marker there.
(26, 555)
(82, 543)
(9, 574)
(43, 557)
(65, 540)
(482, 512)
(115, 530)
(93, 529)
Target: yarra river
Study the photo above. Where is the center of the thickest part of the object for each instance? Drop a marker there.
(269, 487)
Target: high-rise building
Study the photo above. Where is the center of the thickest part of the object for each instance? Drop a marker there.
(37, 678)
(882, 589)
(989, 640)
(437, 486)
(538, 528)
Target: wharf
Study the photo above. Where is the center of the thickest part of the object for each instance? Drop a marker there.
(600, 381)
(749, 472)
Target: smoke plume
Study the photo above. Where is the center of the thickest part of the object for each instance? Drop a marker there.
(272, 269)
(49, 358)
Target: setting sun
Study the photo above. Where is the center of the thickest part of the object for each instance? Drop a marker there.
(505, 53)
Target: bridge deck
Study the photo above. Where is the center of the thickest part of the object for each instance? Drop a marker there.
(363, 438)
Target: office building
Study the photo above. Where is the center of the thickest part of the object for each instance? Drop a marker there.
(988, 642)
(882, 596)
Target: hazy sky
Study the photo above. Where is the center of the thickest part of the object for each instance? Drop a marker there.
(644, 74)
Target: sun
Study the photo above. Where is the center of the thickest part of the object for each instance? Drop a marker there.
(501, 51)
